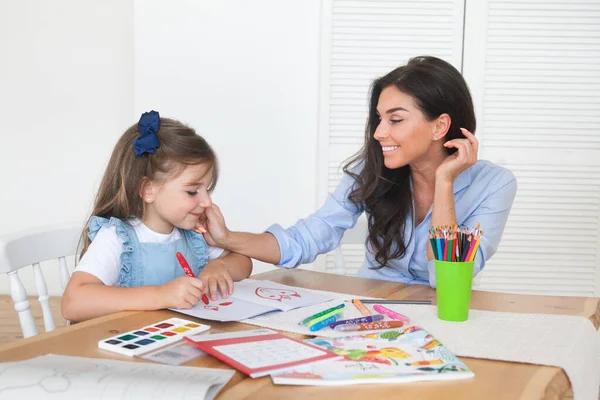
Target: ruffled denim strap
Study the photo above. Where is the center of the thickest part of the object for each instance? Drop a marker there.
(199, 248)
(127, 235)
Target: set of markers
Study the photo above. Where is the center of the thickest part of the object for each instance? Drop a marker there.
(368, 321)
(451, 243)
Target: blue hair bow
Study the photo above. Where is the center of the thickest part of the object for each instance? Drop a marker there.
(147, 142)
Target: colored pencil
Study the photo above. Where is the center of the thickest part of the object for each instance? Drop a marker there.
(386, 301)
(454, 244)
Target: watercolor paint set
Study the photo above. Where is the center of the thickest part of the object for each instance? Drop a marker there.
(151, 337)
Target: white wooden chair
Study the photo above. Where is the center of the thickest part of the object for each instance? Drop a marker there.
(30, 248)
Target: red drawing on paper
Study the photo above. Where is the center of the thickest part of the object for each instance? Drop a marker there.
(276, 294)
(215, 308)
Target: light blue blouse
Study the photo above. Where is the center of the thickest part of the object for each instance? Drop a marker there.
(483, 194)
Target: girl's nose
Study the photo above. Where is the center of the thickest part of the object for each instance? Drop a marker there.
(204, 199)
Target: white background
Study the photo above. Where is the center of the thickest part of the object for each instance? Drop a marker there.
(253, 78)
(73, 77)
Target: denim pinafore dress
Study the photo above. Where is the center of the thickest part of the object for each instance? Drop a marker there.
(145, 264)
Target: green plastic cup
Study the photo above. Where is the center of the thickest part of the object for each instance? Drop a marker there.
(453, 281)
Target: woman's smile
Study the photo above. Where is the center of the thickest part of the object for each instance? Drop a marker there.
(389, 149)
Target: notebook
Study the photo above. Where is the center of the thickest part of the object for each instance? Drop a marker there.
(255, 297)
(392, 356)
(260, 352)
(76, 378)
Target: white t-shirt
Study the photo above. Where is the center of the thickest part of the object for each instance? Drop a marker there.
(103, 257)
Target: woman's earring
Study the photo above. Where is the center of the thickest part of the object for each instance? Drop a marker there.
(435, 138)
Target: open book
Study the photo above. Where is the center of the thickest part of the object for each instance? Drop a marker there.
(403, 355)
(66, 378)
(254, 297)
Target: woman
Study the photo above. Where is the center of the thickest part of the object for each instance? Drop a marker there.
(418, 168)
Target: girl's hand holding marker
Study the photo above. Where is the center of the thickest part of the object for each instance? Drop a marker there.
(188, 272)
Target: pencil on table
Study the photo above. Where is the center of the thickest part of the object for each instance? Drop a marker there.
(385, 301)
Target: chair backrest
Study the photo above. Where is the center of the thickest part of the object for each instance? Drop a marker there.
(32, 247)
(356, 235)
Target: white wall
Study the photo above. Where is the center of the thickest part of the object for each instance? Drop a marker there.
(66, 93)
(74, 75)
(245, 76)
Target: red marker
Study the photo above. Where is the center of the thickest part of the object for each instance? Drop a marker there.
(188, 271)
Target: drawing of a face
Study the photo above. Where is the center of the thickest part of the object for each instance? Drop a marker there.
(216, 308)
(276, 294)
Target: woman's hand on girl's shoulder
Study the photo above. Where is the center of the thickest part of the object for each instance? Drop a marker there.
(182, 292)
(212, 226)
(463, 158)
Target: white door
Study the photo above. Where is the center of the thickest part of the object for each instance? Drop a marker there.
(533, 67)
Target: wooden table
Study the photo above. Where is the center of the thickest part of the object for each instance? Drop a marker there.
(493, 379)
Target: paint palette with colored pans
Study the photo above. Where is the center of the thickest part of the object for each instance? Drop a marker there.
(152, 336)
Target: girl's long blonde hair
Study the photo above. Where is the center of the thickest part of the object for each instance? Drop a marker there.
(119, 193)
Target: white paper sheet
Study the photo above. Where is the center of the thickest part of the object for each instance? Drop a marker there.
(254, 297)
(65, 378)
(230, 309)
(276, 295)
(174, 355)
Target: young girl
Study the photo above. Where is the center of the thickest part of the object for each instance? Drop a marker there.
(155, 188)
(418, 168)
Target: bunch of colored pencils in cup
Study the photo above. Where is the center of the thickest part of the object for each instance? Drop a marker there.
(368, 321)
(455, 244)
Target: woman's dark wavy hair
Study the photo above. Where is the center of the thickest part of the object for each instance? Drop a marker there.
(386, 195)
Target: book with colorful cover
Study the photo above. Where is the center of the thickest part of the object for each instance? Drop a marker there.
(393, 356)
